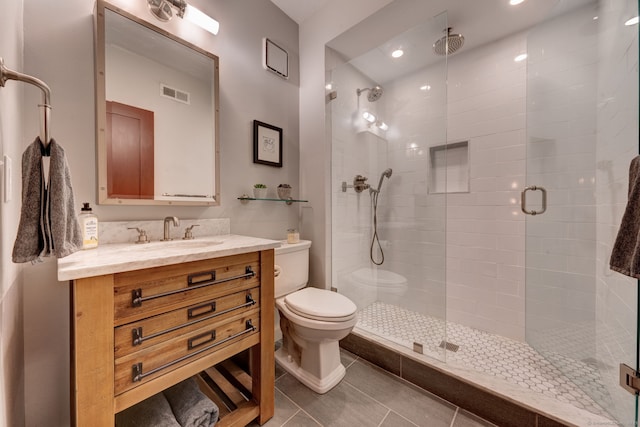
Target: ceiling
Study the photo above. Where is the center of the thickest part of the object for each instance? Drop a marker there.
(415, 25)
(299, 10)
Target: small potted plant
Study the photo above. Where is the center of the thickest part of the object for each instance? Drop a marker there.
(259, 191)
(284, 191)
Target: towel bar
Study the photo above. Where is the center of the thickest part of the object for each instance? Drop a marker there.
(137, 299)
(45, 118)
(138, 339)
(138, 375)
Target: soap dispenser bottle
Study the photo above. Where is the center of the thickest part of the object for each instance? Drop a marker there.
(89, 227)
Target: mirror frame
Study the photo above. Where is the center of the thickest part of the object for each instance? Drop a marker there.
(101, 113)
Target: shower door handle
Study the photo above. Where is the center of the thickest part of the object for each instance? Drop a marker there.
(523, 200)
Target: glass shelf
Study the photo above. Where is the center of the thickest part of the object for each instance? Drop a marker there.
(287, 201)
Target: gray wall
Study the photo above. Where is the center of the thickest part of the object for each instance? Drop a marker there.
(58, 48)
(11, 333)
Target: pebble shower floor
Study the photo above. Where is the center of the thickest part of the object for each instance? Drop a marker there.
(511, 360)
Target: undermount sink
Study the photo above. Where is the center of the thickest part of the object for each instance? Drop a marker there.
(174, 244)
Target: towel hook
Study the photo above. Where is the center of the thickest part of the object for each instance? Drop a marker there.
(45, 118)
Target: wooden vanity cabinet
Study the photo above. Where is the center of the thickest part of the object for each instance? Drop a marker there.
(139, 332)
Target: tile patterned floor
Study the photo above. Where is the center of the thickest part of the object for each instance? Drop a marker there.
(367, 396)
(504, 358)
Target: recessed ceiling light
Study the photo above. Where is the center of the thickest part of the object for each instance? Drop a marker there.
(632, 21)
(397, 53)
(515, 2)
(520, 57)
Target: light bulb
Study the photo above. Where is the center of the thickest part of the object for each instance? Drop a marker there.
(382, 125)
(201, 19)
(520, 57)
(369, 117)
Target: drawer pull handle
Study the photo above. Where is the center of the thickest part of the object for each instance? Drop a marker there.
(197, 278)
(193, 342)
(195, 311)
(137, 299)
(138, 338)
(138, 375)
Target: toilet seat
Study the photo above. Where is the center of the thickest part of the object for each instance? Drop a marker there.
(321, 304)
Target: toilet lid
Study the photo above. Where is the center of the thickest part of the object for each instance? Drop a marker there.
(320, 304)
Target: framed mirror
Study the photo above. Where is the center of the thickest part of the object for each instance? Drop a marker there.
(157, 114)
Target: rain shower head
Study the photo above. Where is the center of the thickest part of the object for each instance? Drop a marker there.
(448, 44)
(374, 93)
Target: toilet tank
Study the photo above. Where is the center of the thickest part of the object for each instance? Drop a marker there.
(291, 267)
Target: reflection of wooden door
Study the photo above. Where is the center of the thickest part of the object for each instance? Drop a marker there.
(129, 152)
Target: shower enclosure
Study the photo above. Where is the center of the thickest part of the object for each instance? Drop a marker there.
(441, 258)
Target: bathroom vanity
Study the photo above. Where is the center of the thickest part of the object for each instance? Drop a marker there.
(145, 317)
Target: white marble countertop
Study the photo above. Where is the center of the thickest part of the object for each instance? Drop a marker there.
(119, 257)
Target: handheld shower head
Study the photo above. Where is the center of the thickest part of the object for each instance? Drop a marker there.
(374, 93)
(387, 173)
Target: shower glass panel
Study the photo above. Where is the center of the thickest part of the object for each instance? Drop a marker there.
(388, 240)
(582, 132)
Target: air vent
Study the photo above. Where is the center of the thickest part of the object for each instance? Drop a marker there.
(175, 94)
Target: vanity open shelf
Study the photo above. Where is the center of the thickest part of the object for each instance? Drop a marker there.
(245, 199)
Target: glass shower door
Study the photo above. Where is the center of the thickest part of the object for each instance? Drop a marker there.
(388, 229)
(582, 132)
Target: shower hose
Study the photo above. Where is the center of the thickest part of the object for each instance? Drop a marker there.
(374, 239)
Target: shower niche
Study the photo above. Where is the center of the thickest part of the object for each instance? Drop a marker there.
(449, 168)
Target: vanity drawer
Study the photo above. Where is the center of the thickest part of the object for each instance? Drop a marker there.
(144, 293)
(145, 333)
(157, 360)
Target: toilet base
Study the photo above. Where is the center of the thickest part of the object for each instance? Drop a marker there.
(316, 384)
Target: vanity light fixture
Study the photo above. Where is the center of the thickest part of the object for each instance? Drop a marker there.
(161, 9)
(397, 53)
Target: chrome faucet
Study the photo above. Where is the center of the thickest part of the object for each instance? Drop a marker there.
(167, 225)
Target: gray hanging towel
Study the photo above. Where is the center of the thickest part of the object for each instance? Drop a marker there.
(48, 221)
(625, 256)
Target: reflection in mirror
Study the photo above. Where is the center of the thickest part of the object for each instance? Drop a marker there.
(157, 114)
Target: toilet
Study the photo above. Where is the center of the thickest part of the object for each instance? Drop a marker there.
(312, 321)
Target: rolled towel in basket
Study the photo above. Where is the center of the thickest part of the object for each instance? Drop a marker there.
(191, 407)
(152, 412)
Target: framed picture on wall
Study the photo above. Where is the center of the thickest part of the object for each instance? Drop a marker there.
(267, 144)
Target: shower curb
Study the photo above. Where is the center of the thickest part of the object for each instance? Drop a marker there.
(481, 402)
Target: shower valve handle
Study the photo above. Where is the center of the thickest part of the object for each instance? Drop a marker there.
(359, 184)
